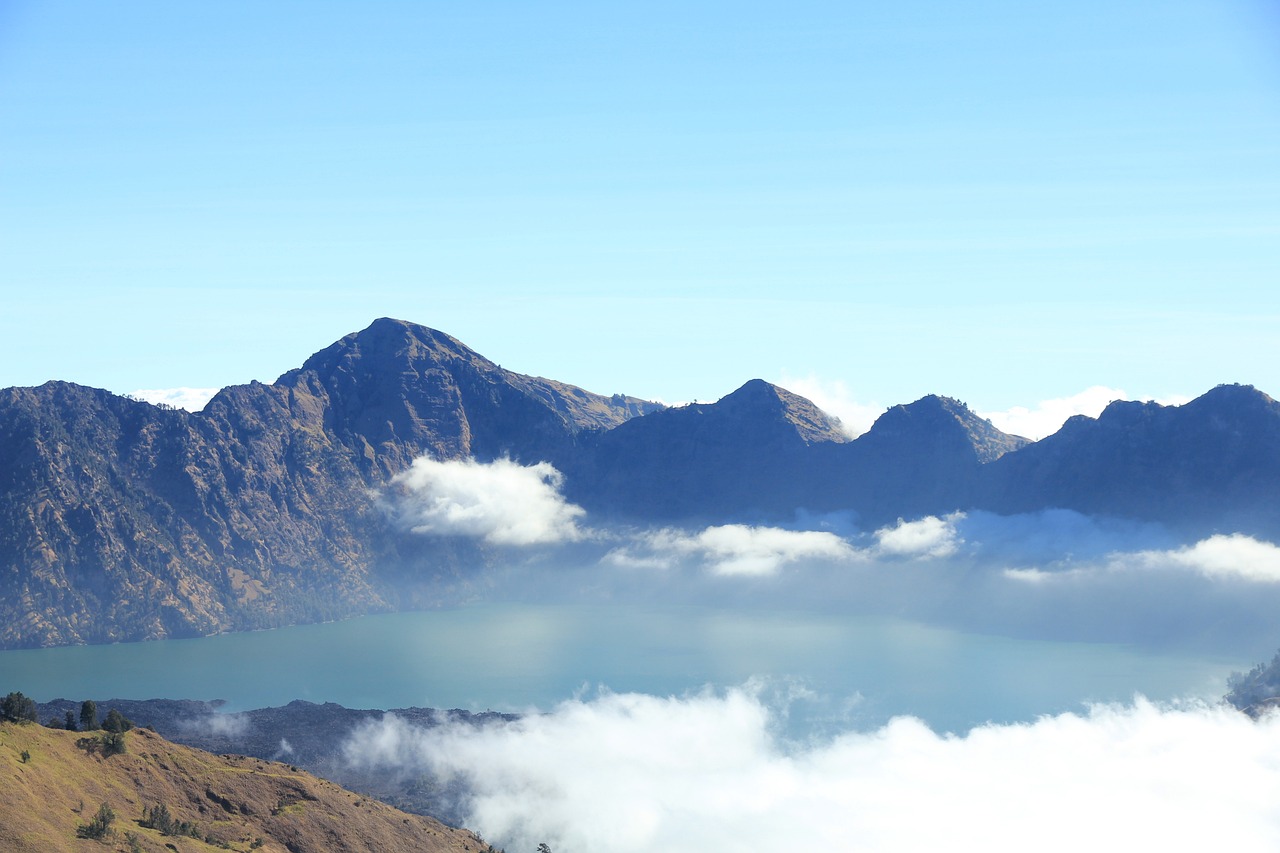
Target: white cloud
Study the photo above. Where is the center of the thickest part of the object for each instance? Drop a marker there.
(191, 399)
(631, 773)
(502, 502)
(733, 549)
(1049, 415)
(1221, 556)
(926, 537)
(1224, 556)
(834, 398)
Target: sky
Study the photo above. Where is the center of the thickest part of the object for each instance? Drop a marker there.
(1003, 202)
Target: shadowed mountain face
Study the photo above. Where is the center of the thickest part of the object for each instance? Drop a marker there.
(738, 456)
(120, 520)
(1213, 463)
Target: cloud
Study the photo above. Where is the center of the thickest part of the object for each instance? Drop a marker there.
(1223, 556)
(926, 537)
(1049, 415)
(1220, 557)
(218, 725)
(631, 772)
(191, 399)
(834, 398)
(501, 502)
(733, 549)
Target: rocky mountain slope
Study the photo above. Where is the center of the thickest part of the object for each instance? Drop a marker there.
(1210, 465)
(57, 781)
(120, 520)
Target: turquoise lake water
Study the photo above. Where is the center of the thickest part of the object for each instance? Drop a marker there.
(849, 672)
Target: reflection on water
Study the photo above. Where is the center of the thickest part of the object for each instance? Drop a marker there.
(848, 671)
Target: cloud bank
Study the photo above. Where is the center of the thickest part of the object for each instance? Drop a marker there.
(632, 772)
(502, 502)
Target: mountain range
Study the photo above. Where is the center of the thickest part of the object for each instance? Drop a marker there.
(122, 520)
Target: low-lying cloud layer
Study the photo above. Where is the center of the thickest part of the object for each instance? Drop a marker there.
(707, 772)
(1054, 574)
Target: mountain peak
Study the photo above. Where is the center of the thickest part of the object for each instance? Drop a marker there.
(811, 423)
(934, 418)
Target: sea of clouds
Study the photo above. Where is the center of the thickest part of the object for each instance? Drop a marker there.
(710, 771)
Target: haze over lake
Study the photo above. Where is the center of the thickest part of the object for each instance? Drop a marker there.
(840, 671)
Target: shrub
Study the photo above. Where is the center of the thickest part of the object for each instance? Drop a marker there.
(100, 826)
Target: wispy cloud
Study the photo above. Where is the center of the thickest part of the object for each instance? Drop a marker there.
(501, 502)
(637, 773)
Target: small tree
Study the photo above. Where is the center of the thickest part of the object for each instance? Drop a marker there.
(88, 715)
(69, 721)
(112, 744)
(100, 826)
(116, 722)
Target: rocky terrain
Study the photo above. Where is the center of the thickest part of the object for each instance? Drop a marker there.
(120, 520)
(56, 784)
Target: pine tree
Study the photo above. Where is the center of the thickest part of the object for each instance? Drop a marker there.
(88, 715)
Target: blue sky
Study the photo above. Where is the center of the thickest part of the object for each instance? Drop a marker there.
(999, 201)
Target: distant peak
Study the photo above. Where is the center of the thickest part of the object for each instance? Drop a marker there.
(810, 422)
(934, 417)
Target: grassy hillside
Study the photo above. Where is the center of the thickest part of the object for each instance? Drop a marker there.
(53, 783)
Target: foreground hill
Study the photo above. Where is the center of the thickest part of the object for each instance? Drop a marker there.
(231, 802)
(120, 520)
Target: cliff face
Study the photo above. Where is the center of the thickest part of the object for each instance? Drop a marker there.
(233, 802)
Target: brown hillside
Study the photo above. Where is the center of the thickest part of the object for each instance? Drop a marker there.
(232, 800)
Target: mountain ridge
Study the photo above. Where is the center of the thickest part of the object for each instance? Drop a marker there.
(120, 520)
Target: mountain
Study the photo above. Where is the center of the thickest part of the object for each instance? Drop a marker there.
(737, 456)
(917, 459)
(1211, 464)
(57, 781)
(120, 520)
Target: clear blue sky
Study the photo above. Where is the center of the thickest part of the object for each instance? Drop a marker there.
(999, 200)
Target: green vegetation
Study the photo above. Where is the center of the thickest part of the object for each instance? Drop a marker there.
(88, 715)
(162, 821)
(116, 723)
(16, 708)
(100, 826)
